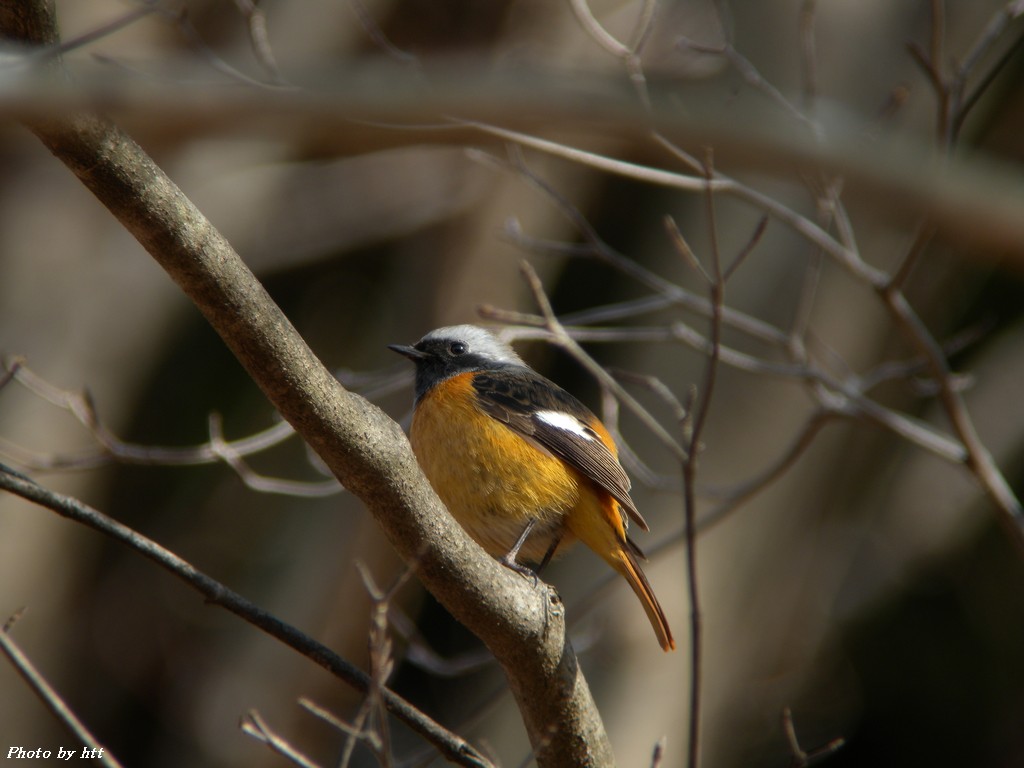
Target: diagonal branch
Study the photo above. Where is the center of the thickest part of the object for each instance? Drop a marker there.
(453, 747)
(523, 625)
(51, 698)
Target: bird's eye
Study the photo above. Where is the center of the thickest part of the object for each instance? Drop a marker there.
(458, 348)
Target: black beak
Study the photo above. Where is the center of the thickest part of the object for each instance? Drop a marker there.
(411, 352)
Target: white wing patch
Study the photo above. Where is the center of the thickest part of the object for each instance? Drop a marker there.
(566, 423)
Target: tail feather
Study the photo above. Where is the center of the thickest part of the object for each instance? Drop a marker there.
(598, 523)
(630, 568)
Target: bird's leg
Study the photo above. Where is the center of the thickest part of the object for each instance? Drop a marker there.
(509, 560)
(550, 553)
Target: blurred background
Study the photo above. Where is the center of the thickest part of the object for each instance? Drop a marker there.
(872, 588)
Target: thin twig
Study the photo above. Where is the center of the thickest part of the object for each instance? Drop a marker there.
(700, 411)
(382, 665)
(254, 725)
(801, 758)
(105, 30)
(560, 337)
(658, 753)
(746, 250)
(736, 496)
(112, 448)
(979, 462)
(381, 40)
(327, 716)
(977, 458)
(754, 78)
(842, 397)
(598, 33)
(684, 250)
(644, 25)
(260, 39)
(610, 415)
(808, 56)
(218, 63)
(53, 701)
(358, 732)
(667, 293)
(967, 103)
(995, 28)
(945, 90)
(223, 450)
(925, 232)
(419, 652)
(721, 183)
(629, 55)
(11, 367)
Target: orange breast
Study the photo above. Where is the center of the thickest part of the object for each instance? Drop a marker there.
(492, 480)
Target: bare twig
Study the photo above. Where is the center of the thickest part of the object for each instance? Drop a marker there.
(260, 39)
(598, 33)
(953, 102)
(697, 415)
(658, 753)
(560, 337)
(979, 462)
(112, 448)
(720, 183)
(254, 725)
(419, 652)
(371, 722)
(925, 232)
(224, 450)
(732, 498)
(968, 101)
(667, 293)
(644, 25)
(834, 398)
(977, 458)
(10, 370)
(801, 758)
(376, 34)
(217, 62)
(684, 250)
(995, 29)
(628, 54)
(948, 92)
(745, 251)
(808, 56)
(327, 716)
(104, 30)
(842, 397)
(53, 701)
(754, 78)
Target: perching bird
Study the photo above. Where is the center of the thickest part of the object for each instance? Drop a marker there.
(520, 463)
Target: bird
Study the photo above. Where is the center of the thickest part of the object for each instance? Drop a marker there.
(522, 465)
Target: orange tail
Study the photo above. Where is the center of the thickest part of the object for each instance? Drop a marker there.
(597, 522)
(628, 566)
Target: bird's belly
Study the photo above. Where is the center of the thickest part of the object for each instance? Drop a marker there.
(492, 480)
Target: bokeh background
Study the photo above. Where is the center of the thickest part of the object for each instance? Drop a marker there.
(872, 588)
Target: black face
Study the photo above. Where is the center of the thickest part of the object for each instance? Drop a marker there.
(440, 359)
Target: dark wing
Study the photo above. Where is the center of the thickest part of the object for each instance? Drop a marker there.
(515, 396)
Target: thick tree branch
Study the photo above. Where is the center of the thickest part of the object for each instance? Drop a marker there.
(367, 451)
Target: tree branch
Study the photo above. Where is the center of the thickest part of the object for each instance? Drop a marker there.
(450, 745)
(522, 625)
(51, 698)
